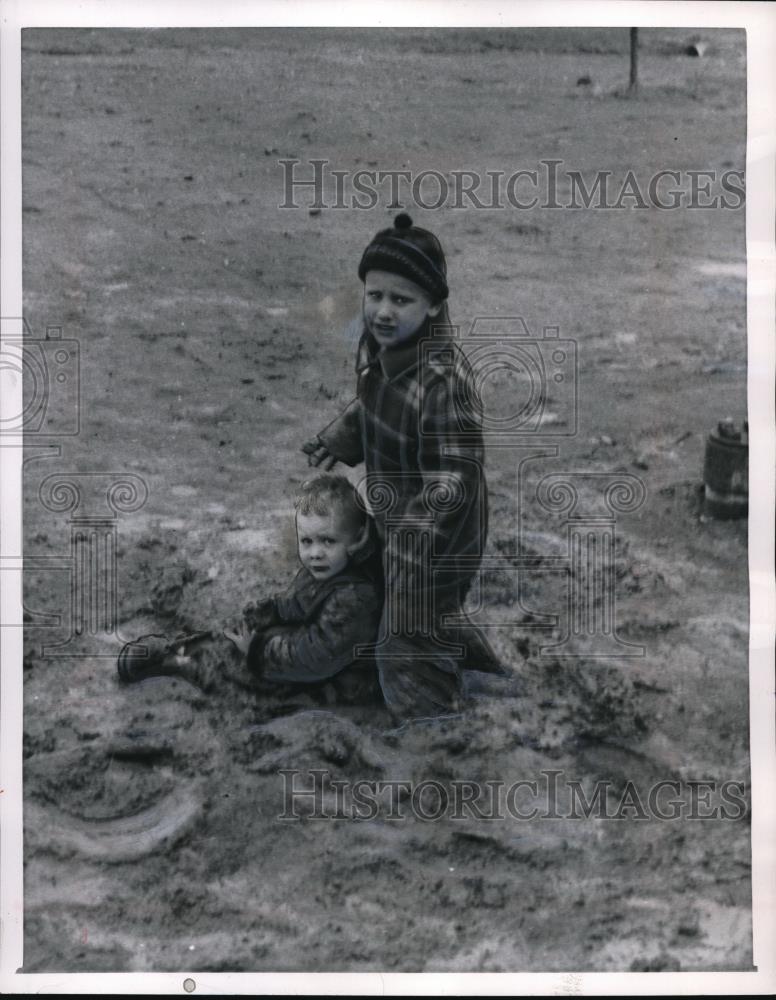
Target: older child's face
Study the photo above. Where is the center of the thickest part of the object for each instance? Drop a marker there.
(323, 544)
(394, 307)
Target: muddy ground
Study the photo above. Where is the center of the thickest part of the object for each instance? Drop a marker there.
(211, 330)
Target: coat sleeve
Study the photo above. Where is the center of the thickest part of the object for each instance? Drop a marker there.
(450, 459)
(342, 437)
(260, 615)
(320, 649)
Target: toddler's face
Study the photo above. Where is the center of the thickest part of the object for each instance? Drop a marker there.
(323, 543)
(394, 307)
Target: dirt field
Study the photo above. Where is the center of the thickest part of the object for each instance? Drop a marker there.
(210, 325)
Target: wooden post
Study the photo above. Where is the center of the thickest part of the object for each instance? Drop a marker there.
(634, 60)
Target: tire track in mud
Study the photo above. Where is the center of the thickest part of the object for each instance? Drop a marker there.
(124, 838)
(492, 894)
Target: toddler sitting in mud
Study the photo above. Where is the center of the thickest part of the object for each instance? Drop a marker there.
(308, 633)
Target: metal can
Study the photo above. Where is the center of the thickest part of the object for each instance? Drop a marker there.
(726, 472)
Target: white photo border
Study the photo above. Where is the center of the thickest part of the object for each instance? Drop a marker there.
(759, 20)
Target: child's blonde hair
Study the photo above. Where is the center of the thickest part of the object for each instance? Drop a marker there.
(335, 495)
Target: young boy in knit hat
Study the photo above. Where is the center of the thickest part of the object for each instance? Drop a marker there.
(415, 425)
(310, 632)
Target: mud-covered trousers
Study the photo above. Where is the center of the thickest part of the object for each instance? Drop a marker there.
(427, 647)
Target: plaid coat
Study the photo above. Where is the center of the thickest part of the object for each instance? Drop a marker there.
(416, 426)
(316, 625)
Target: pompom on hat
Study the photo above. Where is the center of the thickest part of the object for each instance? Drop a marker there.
(412, 252)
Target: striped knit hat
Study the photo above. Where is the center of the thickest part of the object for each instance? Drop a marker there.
(411, 252)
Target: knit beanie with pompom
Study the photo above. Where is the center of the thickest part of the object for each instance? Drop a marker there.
(412, 252)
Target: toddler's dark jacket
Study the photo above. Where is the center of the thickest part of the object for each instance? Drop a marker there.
(319, 625)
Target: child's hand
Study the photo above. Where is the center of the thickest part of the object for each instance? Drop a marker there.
(241, 638)
(318, 455)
